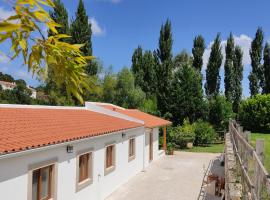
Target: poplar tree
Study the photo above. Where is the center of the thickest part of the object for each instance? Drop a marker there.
(81, 34)
(212, 84)
(164, 69)
(197, 51)
(266, 68)
(256, 75)
(136, 66)
(238, 77)
(229, 68)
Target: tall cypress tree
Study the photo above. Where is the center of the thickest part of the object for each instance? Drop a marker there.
(164, 69)
(238, 77)
(197, 51)
(266, 67)
(81, 34)
(137, 65)
(149, 86)
(60, 16)
(212, 84)
(256, 75)
(228, 68)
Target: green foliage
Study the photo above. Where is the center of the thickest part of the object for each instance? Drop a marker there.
(109, 88)
(204, 133)
(220, 112)
(238, 77)
(187, 95)
(81, 33)
(6, 77)
(256, 75)
(127, 95)
(181, 59)
(137, 66)
(266, 67)
(150, 106)
(229, 68)
(212, 72)
(254, 113)
(197, 51)
(181, 135)
(164, 69)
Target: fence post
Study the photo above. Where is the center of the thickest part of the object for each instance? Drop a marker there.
(245, 158)
(258, 174)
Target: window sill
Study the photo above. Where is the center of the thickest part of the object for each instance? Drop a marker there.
(109, 170)
(83, 184)
(131, 158)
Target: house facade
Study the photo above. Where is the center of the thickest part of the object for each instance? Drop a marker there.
(71, 153)
(11, 85)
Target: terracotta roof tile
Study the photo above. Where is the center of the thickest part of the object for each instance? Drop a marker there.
(24, 128)
(150, 121)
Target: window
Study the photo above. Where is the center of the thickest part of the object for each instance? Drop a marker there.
(42, 183)
(109, 159)
(84, 170)
(83, 167)
(131, 149)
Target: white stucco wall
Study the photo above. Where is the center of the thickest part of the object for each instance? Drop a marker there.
(156, 152)
(14, 171)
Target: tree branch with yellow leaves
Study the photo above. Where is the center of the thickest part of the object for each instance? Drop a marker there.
(43, 54)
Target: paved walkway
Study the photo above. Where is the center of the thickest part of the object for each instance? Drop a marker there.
(177, 177)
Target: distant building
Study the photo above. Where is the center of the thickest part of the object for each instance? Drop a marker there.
(11, 85)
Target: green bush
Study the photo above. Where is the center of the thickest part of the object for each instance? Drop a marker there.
(204, 133)
(254, 113)
(181, 135)
(220, 111)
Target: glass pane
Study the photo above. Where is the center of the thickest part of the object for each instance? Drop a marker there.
(45, 177)
(35, 185)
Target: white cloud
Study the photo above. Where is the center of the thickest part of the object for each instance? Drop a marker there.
(4, 14)
(243, 41)
(96, 28)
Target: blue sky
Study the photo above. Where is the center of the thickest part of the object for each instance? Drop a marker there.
(119, 26)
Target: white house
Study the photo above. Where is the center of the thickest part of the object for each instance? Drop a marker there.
(11, 85)
(73, 153)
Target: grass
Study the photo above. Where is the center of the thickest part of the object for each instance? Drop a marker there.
(213, 148)
(266, 138)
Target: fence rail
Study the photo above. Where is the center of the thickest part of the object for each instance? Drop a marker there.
(251, 172)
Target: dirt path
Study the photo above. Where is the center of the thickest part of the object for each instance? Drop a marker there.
(169, 178)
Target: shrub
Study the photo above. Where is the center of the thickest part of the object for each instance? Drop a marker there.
(204, 133)
(220, 111)
(181, 135)
(254, 113)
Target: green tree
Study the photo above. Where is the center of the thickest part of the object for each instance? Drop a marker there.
(187, 95)
(60, 16)
(197, 51)
(6, 77)
(229, 68)
(127, 95)
(212, 72)
(266, 67)
(164, 69)
(137, 66)
(238, 77)
(81, 34)
(255, 76)
(149, 75)
(109, 88)
(183, 58)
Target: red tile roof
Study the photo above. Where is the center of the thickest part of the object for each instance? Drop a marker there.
(25, 128)
(150, 121)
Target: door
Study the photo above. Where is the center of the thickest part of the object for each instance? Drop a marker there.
(150, 145)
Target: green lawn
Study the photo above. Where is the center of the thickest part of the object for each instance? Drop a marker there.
(214, 148)
(266, 138)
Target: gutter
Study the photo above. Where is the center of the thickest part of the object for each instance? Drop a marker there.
(38, 149)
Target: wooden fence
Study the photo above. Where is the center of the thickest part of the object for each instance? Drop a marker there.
(252, 174)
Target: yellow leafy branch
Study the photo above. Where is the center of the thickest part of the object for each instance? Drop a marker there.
(65, 60)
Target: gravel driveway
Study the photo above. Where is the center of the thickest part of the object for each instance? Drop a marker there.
(169, 178)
